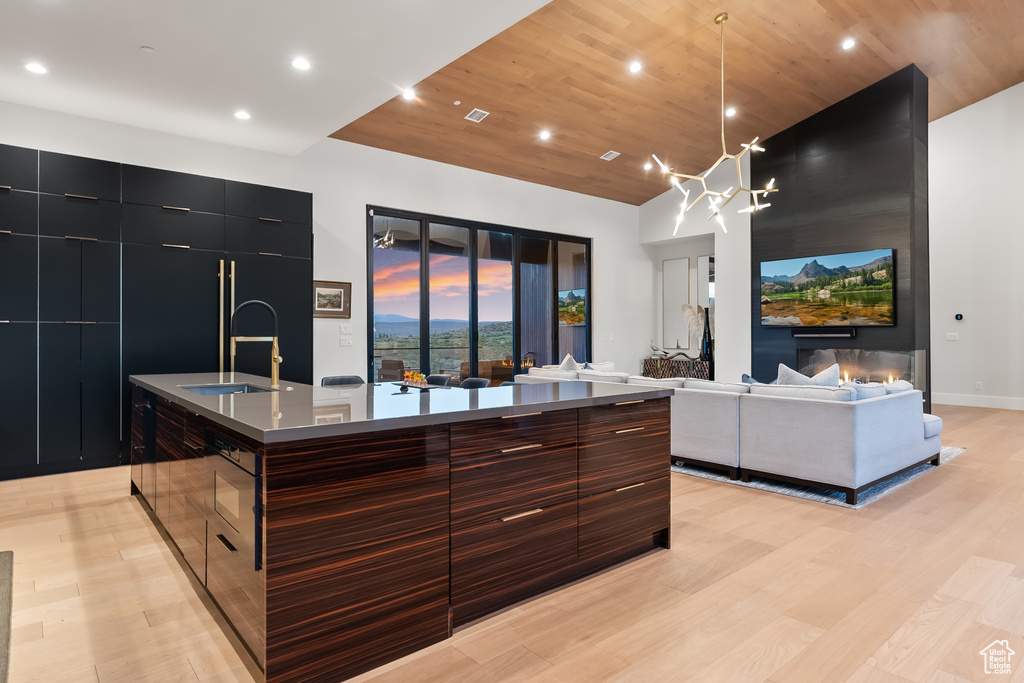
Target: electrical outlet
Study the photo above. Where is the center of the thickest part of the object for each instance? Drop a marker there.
(952, 336)
(977, 386)
(611, 337)
(346, 328)
(345, 341)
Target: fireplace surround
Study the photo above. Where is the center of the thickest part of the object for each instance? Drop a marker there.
(868, 365)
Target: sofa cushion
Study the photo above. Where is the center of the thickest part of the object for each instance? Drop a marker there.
(607, 366)
(829, 377)
(791, 391)
(898, 386)
(552, 374)
(595, 376)
(869, 390)
(932, 425)
(669, 382)
(569, 364)
(708, 385)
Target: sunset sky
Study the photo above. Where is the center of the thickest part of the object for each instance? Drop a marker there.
(396, 286)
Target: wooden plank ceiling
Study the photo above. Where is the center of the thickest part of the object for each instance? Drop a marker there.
(565, 69)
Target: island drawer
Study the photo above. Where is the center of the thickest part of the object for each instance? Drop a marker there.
(624, 446)
(490, 485)
(619, 523)
(497, 564)
(513, 431)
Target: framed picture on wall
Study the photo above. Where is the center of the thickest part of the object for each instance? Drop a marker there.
(332, 299)
(572, 307)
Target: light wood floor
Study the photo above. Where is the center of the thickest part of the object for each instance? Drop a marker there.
(756, 587)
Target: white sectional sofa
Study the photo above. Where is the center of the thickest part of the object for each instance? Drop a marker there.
(841, 438)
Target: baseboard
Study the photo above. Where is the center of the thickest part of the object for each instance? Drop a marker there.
(977, 401)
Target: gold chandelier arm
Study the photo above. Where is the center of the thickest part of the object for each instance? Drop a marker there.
(720, 20)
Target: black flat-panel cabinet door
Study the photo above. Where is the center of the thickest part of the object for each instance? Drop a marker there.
(101, 281)
(18, 292)
(287, 285)
(18, 400)
(71, 175)
(264, 237)
(268, 203)
(156, 187)
(60, 279)
(60, 405)
(101, 394)
(170, 306)
(19, 168)
(76, 217)
(19, 212)
(156, 225)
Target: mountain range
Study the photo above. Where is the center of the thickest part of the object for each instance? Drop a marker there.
(814, 270)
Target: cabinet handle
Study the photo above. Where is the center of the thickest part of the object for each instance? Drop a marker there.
(626, 488)
(80, 322)
(5, 232)
(521, 448)
(227, 543)
(5, 187)
(522, 514)
(627, 403)
(268, 253)
(510, 417)
(176, 246)
(81, 196)
(270, 220)
(633, 429)
(5, 322)
(81, 239)
(175, 208)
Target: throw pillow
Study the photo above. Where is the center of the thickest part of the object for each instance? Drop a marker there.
(569, 364)
(829, 377)
(607, 366)
(898, 386)
(868, 390)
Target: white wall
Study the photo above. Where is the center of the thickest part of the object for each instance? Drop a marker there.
(344, 178)
(686, 247)
(732, 261)
(977, 251)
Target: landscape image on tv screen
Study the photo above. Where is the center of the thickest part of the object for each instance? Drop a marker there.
(854, 289)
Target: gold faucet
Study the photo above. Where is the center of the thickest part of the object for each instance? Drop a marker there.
(275, 351)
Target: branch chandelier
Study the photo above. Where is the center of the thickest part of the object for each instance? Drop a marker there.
(718, 200)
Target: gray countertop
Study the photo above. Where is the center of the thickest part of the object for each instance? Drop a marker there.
(300, 411)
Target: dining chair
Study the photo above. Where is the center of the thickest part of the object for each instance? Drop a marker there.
(439, 380)
(341, 380)
(475, 383)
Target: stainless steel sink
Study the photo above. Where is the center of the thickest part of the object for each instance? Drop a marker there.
(218, 389)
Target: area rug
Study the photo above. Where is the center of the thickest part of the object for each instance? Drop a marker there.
(6, 590)
(866, 497)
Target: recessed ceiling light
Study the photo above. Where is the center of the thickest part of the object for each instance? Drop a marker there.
(147, 48)
(545, 134)
(36, 67)
(635, 66)
(409, 94)
(648, 166)
(457, 102)
(242, 114)
(731, 111)
(849, 43)
(301, 63)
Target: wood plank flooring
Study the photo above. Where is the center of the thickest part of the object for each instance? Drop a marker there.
(756, 587)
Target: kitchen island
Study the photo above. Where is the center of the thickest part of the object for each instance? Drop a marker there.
(341, 528)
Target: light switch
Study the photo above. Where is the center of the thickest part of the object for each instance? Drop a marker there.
(952, 336)
(346, 328)
(345, 341)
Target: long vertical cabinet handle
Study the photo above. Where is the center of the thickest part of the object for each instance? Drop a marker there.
(232, 305)
(220, 335)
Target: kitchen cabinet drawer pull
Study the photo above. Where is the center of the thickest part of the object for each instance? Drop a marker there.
(5, 322)
(627, 403)
(509, 417)
(176, 246)
(227, 543)
(80, 322)
(522, 514)
(5, 232)
(522, 448)
(633, 486)
(175, 208)
(81, 239)
(632, 429)
(268, 253)
(5, 187)
(270, 220)
(81, 196)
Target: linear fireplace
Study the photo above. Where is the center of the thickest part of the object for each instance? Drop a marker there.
(868, 365)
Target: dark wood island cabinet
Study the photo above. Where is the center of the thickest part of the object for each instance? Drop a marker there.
(384, 519)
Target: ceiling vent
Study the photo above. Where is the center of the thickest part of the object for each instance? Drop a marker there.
(477, 115)
(609, 155)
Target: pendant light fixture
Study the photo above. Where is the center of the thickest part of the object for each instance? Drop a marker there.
(718, 200)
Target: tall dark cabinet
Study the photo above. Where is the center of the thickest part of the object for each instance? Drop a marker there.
(109, 270)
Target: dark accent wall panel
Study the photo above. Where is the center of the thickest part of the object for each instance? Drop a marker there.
(853, 177)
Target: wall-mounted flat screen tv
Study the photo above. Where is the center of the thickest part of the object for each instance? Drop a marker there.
(854, 290)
